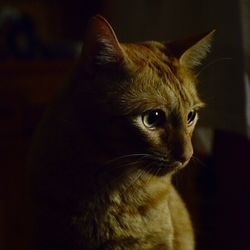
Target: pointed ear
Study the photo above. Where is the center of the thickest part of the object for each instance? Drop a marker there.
(192, 51)
(101, 46)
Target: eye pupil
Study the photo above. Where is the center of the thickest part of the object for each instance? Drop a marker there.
(191, 117)
(153, 118)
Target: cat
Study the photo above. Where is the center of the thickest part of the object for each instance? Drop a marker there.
(105, 152)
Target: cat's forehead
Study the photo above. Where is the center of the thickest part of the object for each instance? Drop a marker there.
(153, 57)
(145, 93)
(158, 80)
(145, 53)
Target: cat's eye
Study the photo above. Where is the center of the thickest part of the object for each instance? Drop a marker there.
(153, 118)
(191, 117)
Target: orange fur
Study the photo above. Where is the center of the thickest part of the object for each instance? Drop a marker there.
(105, 153)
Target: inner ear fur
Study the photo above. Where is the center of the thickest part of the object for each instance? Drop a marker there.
(190, 52)
(101, 45)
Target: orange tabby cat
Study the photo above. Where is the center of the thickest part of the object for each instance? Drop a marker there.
(106, 151)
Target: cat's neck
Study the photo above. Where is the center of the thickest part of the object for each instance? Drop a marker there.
(139, 190)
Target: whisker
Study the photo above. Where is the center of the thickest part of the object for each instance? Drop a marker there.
(125, 165)
(123, 157)
(157, 171)
(195, 159)
(133, 181)
(151, 171)
(212, 63)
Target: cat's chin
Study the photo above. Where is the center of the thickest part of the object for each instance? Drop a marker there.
(170, 168)
(162, 168)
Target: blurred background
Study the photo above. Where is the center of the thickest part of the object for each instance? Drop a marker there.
(40, 41)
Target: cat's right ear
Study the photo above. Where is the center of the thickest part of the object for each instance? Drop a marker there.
(101, 46)
(190, 52)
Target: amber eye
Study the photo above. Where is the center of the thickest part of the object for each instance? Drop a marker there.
(153, 118)
(191, 117)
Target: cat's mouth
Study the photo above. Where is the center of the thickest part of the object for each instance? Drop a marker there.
(155, 164)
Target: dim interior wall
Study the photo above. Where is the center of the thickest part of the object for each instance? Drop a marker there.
(245, 17)
(222, 78)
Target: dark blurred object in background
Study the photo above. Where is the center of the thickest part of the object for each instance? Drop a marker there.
(19, 39)
(18, 36)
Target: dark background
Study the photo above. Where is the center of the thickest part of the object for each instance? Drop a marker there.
(39, 44)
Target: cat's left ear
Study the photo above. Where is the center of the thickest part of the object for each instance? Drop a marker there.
(101, 46)
(190, 52)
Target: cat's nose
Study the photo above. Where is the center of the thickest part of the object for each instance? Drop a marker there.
(184, 157)
(183, 151)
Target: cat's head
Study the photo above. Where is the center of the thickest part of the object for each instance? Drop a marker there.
(147, 95)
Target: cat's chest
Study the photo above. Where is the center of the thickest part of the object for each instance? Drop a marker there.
(140, 217)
